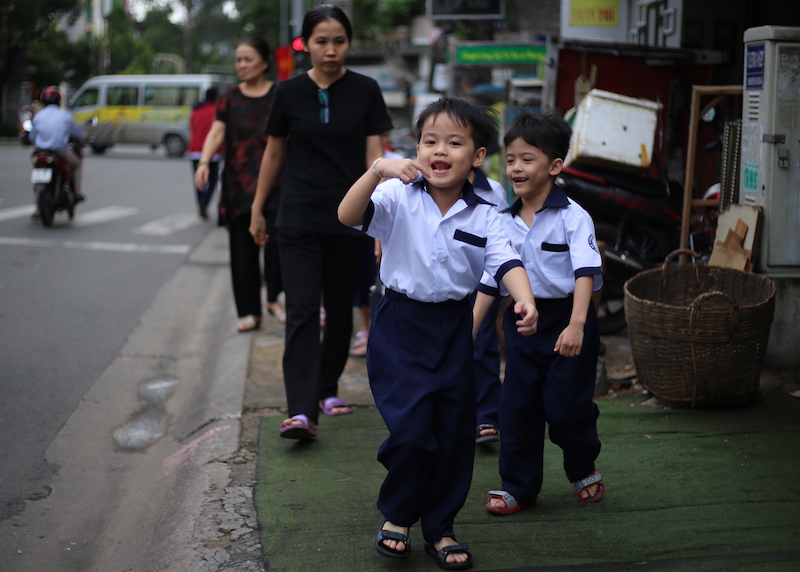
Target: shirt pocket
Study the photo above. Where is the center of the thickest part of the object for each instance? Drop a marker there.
(469, 251)
(556, 261)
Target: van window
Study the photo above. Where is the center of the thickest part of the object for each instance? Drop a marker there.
(88, 97)
(123, 95)
(171, 95)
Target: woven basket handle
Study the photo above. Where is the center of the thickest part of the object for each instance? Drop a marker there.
(681, 252)
(694, 307)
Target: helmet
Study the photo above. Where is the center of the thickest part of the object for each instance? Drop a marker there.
(51, 95)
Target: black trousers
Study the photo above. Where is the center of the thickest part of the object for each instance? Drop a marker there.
(314, 264)
(245, 268)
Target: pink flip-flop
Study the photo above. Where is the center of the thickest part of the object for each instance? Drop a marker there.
(329, 403)
(302, 431)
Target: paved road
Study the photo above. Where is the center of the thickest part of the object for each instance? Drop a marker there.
(110, 349)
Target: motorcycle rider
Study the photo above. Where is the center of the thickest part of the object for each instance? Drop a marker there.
(52, 130)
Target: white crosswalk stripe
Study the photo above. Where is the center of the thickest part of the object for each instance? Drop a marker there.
(102, 215)
(16, 212)
(97, 245)
(169, 224)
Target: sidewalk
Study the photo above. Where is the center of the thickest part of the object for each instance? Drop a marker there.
(686, 489)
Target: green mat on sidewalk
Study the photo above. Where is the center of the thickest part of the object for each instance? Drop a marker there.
(685, 490)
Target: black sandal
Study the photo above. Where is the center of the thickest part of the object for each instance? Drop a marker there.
(384, 550)
(441, 555)
(492, 437)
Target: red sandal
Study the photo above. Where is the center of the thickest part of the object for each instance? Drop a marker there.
(511, 503)
(594, 479)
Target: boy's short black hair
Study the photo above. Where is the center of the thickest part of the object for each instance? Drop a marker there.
(481, 120)
(547, 131)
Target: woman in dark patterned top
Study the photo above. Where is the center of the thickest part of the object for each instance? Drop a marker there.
(242, 113)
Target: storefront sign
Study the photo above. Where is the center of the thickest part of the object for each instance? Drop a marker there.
(465, 9)
(594, 13)
(501, 54)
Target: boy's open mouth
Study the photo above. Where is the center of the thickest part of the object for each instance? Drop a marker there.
(519, 179)
(439, 167)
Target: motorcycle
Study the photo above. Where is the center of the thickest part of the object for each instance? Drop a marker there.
(52, 185)
(639, 219)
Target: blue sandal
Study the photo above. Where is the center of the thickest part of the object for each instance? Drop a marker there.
(384, 550)
(442, 554)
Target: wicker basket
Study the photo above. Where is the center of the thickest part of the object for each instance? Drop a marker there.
(699, 333)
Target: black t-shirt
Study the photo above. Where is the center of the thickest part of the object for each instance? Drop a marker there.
(323, 160)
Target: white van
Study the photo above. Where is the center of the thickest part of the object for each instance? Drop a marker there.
(147, 109)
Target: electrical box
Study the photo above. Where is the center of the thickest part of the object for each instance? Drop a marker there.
(770, 155)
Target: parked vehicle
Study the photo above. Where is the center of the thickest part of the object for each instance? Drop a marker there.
(144, 109)
(638, 219)
(52, 185)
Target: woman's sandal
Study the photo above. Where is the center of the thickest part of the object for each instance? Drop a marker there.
(441, 555)
(277, 310)
(359, 347)
(330, 403)
(384, 550)
(480, 438)
(302, 430)
(511, 504)
(594, 479)
(248, 324)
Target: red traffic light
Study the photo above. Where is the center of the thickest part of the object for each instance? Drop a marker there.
(297, 44)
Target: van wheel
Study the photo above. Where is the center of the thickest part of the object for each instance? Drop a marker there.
(175, 145)
(98, 149)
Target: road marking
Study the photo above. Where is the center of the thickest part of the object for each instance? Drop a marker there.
(98, 245)
(16, 212)
(169, 224)
(102, 215)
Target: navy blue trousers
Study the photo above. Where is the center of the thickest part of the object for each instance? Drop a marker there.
(486, 351)
(542, 386)
(423, 379)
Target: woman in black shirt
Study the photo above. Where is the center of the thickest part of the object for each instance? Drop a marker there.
(325, 126)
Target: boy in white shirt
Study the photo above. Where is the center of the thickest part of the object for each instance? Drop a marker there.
(438, 237)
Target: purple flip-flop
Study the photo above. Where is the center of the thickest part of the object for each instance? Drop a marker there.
(302, 431)
(329, 403)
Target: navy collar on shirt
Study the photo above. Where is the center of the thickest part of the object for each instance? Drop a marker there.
(556, 199)
(480, 181)
(467, 192)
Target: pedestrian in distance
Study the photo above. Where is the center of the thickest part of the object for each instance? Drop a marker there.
(200, 121)
(550, 376)
(325, 126)
(438, 237)
(241, 115)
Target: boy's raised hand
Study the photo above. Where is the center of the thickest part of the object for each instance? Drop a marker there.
(406, 170)
(530, 317)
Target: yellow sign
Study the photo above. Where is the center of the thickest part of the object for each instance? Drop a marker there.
(594, 13)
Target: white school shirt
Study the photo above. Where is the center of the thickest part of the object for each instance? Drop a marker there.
(557, 249)
(430, 257)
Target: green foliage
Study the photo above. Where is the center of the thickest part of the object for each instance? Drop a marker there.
(372, 18)
(159, 33)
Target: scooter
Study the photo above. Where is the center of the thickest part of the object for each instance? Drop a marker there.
(52, 185)
(639, 221)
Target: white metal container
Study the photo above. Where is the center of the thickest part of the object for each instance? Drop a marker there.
(613, 130)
